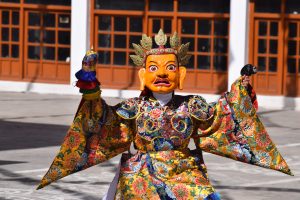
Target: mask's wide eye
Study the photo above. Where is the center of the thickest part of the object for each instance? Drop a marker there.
(171, 67)
(153, 68)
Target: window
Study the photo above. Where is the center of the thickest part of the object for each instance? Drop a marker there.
(292, 6)
(211, 40)
(10, 34)
(54, 36)
(52, 2)
(210, 6)
(267, 6)
(157, 5)
(204, 24)
(10, 1)
(114, 42)
(120, 5)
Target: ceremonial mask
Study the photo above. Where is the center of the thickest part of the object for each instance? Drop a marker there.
(162, 73)
(163, 69)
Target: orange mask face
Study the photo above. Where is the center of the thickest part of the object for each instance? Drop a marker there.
(162, 74)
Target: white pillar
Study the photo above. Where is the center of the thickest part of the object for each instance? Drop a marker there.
(79, 35)
(238, 38)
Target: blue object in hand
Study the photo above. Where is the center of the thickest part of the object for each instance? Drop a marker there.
(86, 76)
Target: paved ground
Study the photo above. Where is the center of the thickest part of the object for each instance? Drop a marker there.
(32, 127)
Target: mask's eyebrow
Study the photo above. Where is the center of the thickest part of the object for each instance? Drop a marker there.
(152, 61)
(170, 61)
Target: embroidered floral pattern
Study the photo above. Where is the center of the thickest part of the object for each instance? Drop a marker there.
(209, 143)
(71, 161)
(155, 113)
(181, 192)
(246, 105)
(161, 168)
(240, 135)
(164, 167)
(200, 180)
(263, 139)
(54, 173)
(139, 186)
(72, 139)
(199, 108)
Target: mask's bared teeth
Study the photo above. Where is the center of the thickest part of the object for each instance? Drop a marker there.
(158, 81)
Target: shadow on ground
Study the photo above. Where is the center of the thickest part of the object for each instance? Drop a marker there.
(272, 189)
(18, 135)
(29, 181)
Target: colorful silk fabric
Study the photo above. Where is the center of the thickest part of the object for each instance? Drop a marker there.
(164, 167)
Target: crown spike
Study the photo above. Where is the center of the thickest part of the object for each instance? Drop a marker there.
(145, 48)
(160, 38)
(146, 42)
(174, 40)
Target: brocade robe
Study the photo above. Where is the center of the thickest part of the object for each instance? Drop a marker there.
(164, 167)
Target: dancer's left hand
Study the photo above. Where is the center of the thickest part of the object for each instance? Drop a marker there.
(245, 80)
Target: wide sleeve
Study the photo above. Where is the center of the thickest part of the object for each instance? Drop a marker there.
(234, 130)
(97, 134)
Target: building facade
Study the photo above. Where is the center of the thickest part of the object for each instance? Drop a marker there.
(43, 42)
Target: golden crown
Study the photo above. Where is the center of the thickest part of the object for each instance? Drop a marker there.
(144, 49)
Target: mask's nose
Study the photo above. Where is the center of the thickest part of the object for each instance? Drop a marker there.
(163, 75)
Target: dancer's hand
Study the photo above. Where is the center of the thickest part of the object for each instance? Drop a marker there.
(246, 72)
(245, 80)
